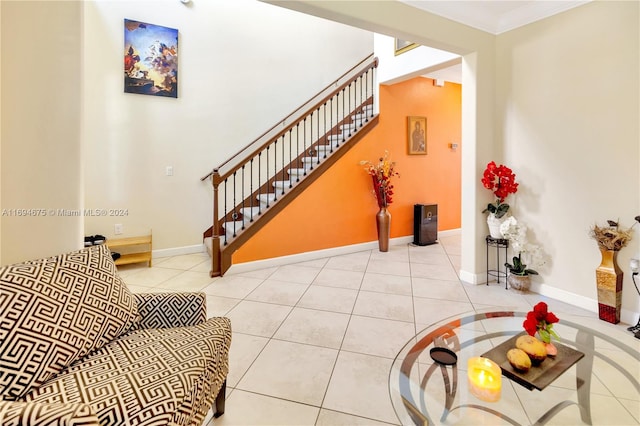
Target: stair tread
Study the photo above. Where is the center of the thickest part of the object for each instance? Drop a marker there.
(249, 210)
(297, 170)
(270, 195)
(238, 224)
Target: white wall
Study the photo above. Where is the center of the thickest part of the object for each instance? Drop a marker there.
(243, 66)
(568, 118)
(412, 63)
(41, 149)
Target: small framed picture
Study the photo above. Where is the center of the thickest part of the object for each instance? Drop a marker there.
(402, 46)
(417, 135)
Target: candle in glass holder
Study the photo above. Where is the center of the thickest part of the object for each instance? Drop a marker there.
(485, 379)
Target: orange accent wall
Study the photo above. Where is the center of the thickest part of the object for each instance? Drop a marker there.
(339, 208)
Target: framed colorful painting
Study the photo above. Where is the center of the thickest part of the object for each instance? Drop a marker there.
(150, 59)
(417, 135)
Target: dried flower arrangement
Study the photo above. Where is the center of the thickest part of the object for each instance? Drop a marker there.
(381, 174)
(612, 237)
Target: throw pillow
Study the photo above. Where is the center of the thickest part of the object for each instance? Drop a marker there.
(54, 311)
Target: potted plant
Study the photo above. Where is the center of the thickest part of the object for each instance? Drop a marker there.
(519, 277)
(501, 181)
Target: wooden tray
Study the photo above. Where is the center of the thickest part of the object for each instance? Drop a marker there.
(538, 377)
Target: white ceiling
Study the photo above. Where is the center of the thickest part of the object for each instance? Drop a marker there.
(495, 16)
(492, 16)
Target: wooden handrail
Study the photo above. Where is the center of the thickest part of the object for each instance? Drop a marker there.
(370, 62)
(352, 102)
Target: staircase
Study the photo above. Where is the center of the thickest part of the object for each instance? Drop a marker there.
(254, 185)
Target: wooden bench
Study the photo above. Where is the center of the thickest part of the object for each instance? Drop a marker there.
(140, 246)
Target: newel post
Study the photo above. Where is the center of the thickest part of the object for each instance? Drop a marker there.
(215, 238)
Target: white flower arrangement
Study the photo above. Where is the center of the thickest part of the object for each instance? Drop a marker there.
(516, 233)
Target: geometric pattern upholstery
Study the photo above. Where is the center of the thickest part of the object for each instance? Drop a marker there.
(54, 311)
(23, 413)
(156, 376)
(163, 310)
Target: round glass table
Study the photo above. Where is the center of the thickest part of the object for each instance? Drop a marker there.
(601, 387)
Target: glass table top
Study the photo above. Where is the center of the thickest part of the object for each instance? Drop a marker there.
(602, 388)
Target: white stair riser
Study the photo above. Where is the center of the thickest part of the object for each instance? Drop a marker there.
(279, 184)
(313, 152)
(352, 126)
(360, 117)
(296, 173)
(311, 160)
(229, 228)
(262, 198)
(249, 213)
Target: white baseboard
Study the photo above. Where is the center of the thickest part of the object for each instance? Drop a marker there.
(629, 317)
(307, 256)
(587, 303)
(177, 251)
(471, 278)
(565, 296)
(321, 254)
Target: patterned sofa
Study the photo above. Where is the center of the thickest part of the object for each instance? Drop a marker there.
(77, 348)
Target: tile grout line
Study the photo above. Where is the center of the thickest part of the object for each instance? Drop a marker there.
(270, 338)
(344, 335)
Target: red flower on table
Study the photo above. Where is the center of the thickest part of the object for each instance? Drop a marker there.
(541, 321)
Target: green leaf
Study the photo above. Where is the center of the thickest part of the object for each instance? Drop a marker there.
(517, 264)
(490, 208)
(544, 335)
(501, 210)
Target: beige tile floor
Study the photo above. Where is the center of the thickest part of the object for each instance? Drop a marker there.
(313, 342)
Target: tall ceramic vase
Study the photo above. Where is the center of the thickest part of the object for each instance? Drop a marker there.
(383, 224)
(609, 282)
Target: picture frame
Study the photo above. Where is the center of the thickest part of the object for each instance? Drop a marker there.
(417, 135)
(150, 59)
(402, 46)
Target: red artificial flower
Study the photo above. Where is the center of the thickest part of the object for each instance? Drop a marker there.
(541, 321)
(540, 311)
(551, 318)
(500, 180)
(530, 324)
